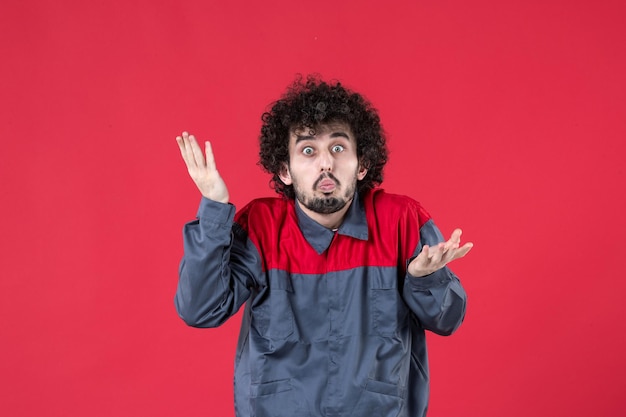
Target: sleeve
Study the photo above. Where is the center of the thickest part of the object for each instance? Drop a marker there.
(218, 268)
(438, 300)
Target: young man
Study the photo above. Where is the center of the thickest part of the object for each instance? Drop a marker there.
(340, 279)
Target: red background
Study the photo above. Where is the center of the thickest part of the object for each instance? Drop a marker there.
(507, 119)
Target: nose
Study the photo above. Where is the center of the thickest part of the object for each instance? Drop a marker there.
(325, 161)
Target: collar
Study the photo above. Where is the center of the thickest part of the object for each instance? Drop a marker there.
(354, 225)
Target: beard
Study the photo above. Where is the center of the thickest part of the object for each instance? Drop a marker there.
(327, 204)
(324, 205)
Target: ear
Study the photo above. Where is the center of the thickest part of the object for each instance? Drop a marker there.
(362, 172)
(285, 175)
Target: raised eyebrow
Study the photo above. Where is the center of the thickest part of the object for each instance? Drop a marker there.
(300, 138)
(340, 135)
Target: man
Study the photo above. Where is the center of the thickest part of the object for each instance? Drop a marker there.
(340, 279)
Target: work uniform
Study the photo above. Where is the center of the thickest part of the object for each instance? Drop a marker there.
(333, 324)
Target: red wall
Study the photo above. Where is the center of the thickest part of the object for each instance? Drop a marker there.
(507, 119)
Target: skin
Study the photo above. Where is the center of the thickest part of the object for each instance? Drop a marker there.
(324, 169)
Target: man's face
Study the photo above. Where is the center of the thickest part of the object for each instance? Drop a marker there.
(323, 167)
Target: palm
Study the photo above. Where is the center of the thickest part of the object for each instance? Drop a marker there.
(436, 257)
(202, 169)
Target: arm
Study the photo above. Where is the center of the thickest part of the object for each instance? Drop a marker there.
(219, 263)
(218, 268)
(431, 290)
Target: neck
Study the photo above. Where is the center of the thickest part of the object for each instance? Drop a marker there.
(330, 221)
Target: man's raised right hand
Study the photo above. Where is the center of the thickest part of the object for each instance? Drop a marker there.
(202, 168)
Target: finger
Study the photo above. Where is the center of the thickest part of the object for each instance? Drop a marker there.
(437, 253)
(189, 156)
(462, 251)
(197, 153)
(450, 247)
(183, 145)
(456, 236)
(448, 256)
(423, 259)
(454, 242)
(210, 158)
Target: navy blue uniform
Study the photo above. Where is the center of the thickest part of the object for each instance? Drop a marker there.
(333, 324)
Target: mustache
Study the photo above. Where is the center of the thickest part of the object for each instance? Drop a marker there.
(323, 177)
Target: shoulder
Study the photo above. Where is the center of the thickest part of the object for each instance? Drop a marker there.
(395, 205)
(264, 211)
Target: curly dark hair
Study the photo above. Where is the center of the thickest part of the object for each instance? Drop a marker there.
(308, 103)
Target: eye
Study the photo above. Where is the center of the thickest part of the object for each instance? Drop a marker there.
(308, 150)
(337, 148)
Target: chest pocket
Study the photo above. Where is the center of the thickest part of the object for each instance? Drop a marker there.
(388, 310)
(273, 316)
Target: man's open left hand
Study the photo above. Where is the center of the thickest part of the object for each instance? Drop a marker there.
(433, 258)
